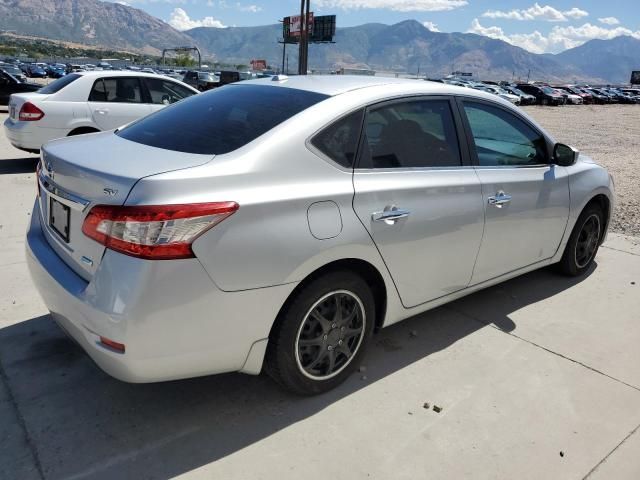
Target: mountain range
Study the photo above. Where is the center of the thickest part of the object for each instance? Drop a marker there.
(407, 46)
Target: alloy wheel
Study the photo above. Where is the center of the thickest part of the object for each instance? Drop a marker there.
(330, 335)
(588, 240)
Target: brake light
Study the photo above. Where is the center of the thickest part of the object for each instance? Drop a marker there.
(118, 347)
(157, 232)
(30, 113)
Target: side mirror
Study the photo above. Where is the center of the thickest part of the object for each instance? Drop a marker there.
(564, 155)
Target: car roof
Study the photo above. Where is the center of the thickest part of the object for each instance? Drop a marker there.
(338, 84)
(117, 73)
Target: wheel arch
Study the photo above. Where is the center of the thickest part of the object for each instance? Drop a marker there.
(366, 270)
(82, 130)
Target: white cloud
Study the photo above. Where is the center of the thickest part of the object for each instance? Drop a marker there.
(396, 5)
(181, 21)
(545, 13)
(558, 39)
(576, 13)
(609, 21)
(431, 26)
(249, 8)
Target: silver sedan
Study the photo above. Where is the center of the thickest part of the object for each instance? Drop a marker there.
(276, 224)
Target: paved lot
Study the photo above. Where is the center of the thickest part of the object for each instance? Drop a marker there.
(538, 377)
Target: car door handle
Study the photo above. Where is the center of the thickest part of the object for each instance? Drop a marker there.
(390, 214)
(499, 199)
(102, 111)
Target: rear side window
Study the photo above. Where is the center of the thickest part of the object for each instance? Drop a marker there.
(118, 90)
(339, 140)
(59, 84)
(221, 120)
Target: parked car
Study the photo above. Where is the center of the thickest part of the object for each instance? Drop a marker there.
(201, 80)
(586, 97)
(179, 248)
(36, 71)
(544, 94)
(87, 102)
(14, 71)
(225, 77)
(10, 85)
(611, 98)
(569, 98)
(525, 98)
(55, 71)
(598, 98)
(496, 90)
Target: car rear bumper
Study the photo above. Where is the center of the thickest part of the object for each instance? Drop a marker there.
(173, 320)
(30, 137)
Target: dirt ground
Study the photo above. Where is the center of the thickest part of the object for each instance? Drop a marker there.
(610, 134)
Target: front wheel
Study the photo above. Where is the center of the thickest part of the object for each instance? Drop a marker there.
(321, 335)
(584, 242)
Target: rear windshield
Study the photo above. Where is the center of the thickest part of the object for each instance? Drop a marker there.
(59, 84)
(221, 120)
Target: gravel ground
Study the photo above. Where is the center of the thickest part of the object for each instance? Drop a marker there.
(610, 134)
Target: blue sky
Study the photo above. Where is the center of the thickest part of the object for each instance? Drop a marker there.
(537, 26)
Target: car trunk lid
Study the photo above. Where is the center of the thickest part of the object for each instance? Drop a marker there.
(97, 169)
(18, 99)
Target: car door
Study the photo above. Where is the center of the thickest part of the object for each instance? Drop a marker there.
(418, 196)
(162, 92)
(117, 101)
(525, 197)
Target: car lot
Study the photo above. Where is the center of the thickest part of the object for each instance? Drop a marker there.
(524, 371)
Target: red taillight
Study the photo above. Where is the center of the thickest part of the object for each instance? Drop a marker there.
(157, 232)
(118, 347)
(30, 113)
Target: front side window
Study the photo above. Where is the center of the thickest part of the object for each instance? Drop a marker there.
(339, 140)
(411, 134)
(116, 90)
(221, 120)
(501, 138)
(165, 92)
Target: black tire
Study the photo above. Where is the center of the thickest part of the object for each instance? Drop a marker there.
(584, 242)
(285, 359)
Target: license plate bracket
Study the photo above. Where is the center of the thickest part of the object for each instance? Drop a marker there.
(59, 218)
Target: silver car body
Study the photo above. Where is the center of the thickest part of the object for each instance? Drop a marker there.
(299, 212)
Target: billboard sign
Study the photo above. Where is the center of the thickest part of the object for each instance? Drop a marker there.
(295, 24)
(258, 64)
(321, 29)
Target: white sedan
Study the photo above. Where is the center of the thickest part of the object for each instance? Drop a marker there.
(87, 102)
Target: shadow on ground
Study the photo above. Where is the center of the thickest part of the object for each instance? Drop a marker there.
(85, 424)
(18, 165)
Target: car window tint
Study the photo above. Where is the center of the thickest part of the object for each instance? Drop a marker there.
(339, 140)
(221, 120)
(117, 90)
(59, 84)
(501, 138)
(412, 134)
(165, 92)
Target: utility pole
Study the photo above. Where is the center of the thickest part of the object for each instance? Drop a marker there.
(303, 50)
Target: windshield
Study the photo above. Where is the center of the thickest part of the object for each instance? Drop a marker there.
(59, 84)
(221, 120)
(548, 90)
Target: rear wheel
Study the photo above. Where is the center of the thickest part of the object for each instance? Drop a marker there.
(584, 242)
(321, 335)
(82, 131)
